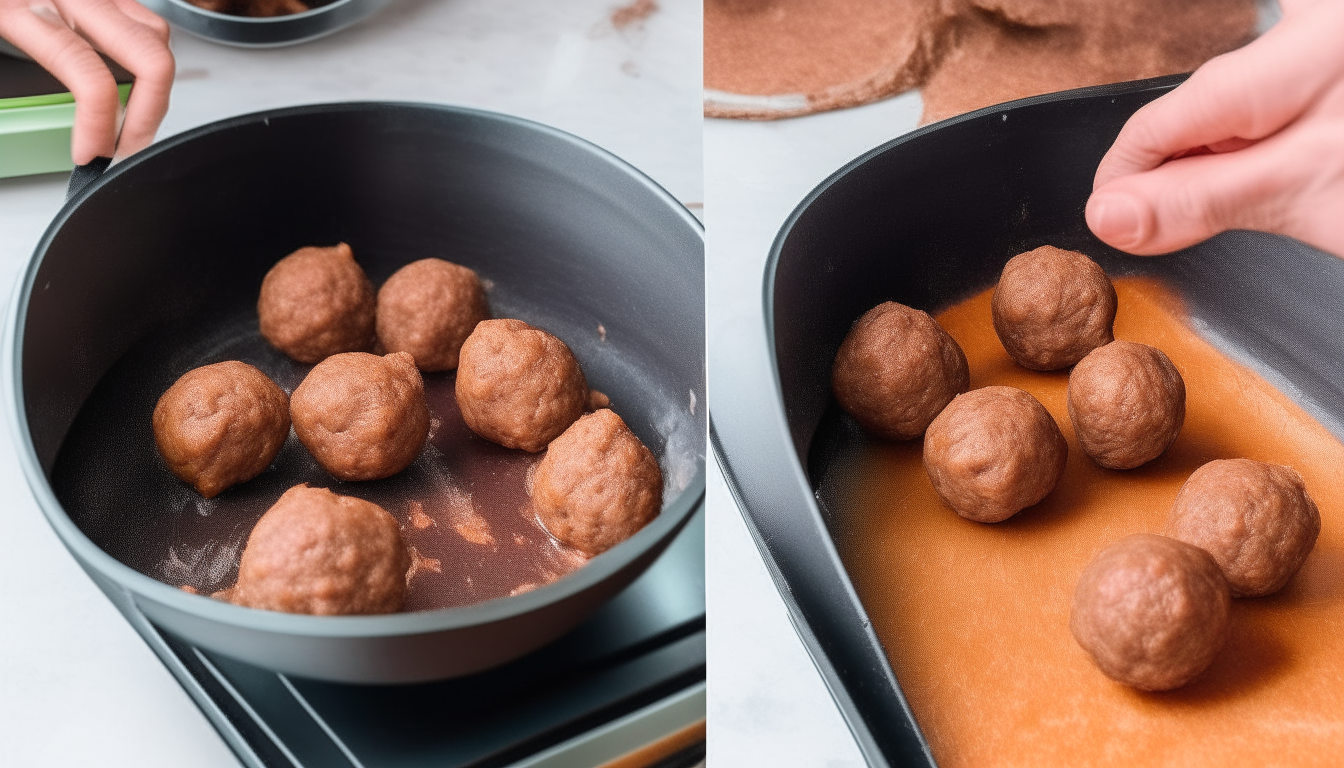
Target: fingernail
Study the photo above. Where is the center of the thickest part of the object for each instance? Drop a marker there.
(1116, 219)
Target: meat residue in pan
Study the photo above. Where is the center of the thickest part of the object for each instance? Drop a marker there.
(975, 617)
(254, 8)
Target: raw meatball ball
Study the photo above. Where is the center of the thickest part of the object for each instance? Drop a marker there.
(896, 370)
(363, 417)
(319, 553)
(317, 302)
(1127, 404)
(220, 425)
(1051, 307)
(1256, 520)
(428, 308)
(597, 484)
(1152, 611)
(992, 452)
(517, 385)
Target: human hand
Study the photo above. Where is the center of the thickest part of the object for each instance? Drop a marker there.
(64, 36)
(1253, 140)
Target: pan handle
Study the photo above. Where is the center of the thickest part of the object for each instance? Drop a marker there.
(84, 175)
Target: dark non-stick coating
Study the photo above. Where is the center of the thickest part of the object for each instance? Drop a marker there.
(156, 268)
(928, 220)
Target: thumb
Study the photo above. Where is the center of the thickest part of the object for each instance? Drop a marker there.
(1186, 201)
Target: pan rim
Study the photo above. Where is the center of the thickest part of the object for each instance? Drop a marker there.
(185, 6)
(265, 31)
(139, 586)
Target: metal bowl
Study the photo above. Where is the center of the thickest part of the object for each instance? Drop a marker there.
(246, 32)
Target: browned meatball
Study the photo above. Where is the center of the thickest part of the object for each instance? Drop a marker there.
(319, 553)
(220, 425)
(1051, 307)
(317, 302)
(1256, 519)
(896, 370)
(993, 452)
(428, 308)
(1153, 612)
(597, 484)
(363, 417)
(1127, 404)
(517, 385)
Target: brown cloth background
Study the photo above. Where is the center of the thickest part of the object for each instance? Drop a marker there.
(964, 54)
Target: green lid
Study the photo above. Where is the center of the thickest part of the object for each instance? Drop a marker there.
(35, 133)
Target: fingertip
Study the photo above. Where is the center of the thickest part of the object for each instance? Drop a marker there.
(90, 139)
(1106, 172)
(127, 148)
(1119, 220)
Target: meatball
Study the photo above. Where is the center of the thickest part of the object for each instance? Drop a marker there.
(319, 553)
(428, 308)
(317, 302)
(993, 452)
(1153, 612)
(1256, 519)
(363, 417)
(220, 425)
(896, 370)
(597, 484)
(517, 385)
(1051, 307)
(1127, 404)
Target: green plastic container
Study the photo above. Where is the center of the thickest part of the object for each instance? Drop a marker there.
(35, 132)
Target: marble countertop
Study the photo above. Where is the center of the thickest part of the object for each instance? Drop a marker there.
(77, 685)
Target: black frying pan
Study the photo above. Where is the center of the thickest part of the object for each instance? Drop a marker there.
(154, 268)
(928, 220)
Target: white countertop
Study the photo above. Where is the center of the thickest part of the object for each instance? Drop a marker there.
(768, 705)
(77, 684)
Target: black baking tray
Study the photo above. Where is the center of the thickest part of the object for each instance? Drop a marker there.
(22, 78)
(929, 219)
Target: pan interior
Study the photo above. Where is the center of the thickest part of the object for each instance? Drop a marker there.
(564, 237)
(930, 222)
